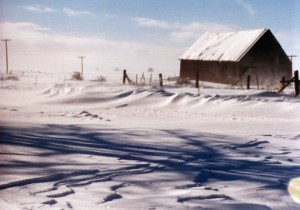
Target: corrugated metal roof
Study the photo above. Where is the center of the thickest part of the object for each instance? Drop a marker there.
(231, 46)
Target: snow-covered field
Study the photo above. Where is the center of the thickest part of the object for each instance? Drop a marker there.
(85, 145)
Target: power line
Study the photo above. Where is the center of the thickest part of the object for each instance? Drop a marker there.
(6, 50)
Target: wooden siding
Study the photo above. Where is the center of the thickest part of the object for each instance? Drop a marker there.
(211, 71)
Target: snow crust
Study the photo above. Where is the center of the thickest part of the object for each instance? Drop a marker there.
(89, 145)
(228, 46)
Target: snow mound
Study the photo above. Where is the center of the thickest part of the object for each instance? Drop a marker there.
(62, 90)
(157, 97)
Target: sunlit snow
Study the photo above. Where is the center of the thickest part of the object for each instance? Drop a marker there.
(89, 145)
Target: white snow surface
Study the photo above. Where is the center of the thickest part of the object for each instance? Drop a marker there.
(85, 145)
(230, 46)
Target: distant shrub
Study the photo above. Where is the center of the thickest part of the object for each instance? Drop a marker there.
(77, 75)
(173, 79)
(101, 79)
(183, 81)
(12, 78)
(150, 70)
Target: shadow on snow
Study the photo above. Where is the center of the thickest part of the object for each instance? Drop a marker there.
(211, 157)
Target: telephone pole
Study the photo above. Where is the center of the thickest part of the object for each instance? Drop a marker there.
(291, 57)
(81, 58)
(6, 40)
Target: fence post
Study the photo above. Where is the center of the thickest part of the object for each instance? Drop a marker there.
(2, 81)
(197, 80)
(296, 76)
(161, 80)
(282, 81)
(151, 79)
(142, 81)
(124, 76)
(136, 79)
(257, 82)
(248, 82)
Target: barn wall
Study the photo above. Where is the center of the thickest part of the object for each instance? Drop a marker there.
(267, 61)
(211, 71)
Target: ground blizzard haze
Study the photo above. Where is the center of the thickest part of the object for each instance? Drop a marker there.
(68, 145)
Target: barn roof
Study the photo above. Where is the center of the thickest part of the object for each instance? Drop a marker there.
(231, 46)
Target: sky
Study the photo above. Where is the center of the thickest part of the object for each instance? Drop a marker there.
(50, 35)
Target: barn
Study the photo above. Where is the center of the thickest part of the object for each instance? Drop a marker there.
(229, 58)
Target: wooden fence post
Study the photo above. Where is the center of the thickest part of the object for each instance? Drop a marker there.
(282, 81)
(296, 76)
(248, 82)
(197, 80)
(136, 78)
(151, 79)
(124, 76)
(257, 82)
(161, 80)
(2, 81)
(143, 80)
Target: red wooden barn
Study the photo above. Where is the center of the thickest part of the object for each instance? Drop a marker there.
(229, 58)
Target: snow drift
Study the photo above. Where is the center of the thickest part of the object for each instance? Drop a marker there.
(81, 145)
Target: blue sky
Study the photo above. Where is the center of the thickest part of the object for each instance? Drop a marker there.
(48, 35)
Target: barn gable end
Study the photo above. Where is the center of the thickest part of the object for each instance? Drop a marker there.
(229, 58)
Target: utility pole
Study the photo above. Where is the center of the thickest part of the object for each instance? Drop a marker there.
(291, 57)
(6, 40)
(81, 58)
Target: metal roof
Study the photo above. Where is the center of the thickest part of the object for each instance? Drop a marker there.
(230, 46)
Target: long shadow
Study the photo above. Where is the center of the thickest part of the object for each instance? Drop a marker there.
(210, 156)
